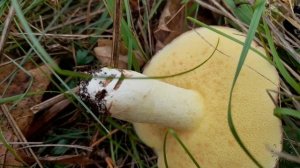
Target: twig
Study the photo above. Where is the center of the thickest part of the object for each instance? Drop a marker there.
(50, 102)
(6, 29)
(116, 33)
(106, 136)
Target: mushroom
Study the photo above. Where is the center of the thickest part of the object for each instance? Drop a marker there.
(195, 104)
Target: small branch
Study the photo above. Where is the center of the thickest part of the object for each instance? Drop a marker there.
(50, 102)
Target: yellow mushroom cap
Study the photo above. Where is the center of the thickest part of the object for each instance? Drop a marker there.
(212, 143)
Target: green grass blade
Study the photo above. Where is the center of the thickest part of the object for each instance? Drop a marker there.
(285, 74)
(165, 150)
(10, 148)
(48, 60)
(130, 42)
(280, 112)
(250, 36)
(227, 36)
(241, 10)
(42, 52)
(174, 134)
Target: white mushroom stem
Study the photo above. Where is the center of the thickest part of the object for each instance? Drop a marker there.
(142, 100)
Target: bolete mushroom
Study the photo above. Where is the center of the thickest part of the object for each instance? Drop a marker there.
(195, 104)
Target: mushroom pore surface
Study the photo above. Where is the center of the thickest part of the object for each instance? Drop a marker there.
(212, 143)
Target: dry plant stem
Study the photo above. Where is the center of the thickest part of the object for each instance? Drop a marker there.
(5, 30)
(167, 22)
(67, 159)
(106, 136)
(110, 162)
(282, 42)
(293, 72)
(287, 156)
(287, 91)
(52, 101)
(86, 148)
(64, 36)
(18, 132)
(210, 7)
(295, 41)
(88, 11)
(116, 33)
(226, 14)
(77, 20)
(24, 143)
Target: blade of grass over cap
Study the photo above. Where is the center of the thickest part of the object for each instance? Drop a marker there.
(173, 133)
(250, 36)
(227, 36)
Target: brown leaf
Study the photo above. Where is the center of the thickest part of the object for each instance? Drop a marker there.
(22, 113)
(6, 157)
(171, 23)
(41, 123)
(103, 54)
(20, 83)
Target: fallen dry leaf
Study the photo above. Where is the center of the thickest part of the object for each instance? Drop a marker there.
(22, 113)
(171, 23)
(42, 122)
(103, 54)
(6, 158)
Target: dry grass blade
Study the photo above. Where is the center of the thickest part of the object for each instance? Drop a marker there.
(287, 91)
(88, 149)
(63, 36)
(287, 156)
(280, 40)
(66, 159)
(18, 132)
(105, 137)
(222, 11)
(116, 33)
(5, 30)
(77, 20)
